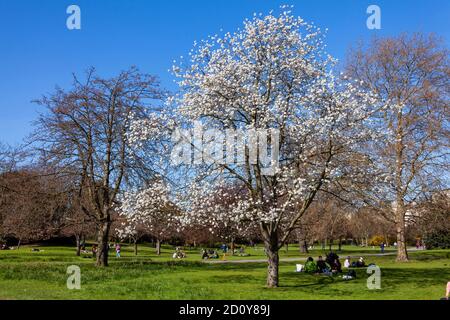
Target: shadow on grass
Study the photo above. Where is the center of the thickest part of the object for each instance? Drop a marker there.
(414, 276)
(308, 280)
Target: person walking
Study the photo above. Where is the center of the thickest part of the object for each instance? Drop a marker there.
(117, 250)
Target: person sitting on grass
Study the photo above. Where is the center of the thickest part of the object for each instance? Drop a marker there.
(331, 256)
(347, 262)
(179, 254)
(322, 266)
(94, 251)
(361, 263)
(337, 266)
(310, 266)
(205, 255)
(333, 261)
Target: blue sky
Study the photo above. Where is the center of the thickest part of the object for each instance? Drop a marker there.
(38, 52)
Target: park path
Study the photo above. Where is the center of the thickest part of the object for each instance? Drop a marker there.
(300, 259)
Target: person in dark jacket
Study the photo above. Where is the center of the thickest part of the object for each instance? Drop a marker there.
(321, 265)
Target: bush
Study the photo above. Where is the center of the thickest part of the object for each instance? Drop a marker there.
(438, 240)
(376, 241)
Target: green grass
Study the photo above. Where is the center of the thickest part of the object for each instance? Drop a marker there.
(42, 275)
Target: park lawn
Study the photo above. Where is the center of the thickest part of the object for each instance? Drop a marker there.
(42, 275)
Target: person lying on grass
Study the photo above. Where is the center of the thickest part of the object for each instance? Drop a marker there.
(361, 263)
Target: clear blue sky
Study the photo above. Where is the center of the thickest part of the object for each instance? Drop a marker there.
(38, 52)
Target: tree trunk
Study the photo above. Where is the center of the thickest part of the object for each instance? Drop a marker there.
(135, 248)
(305, 247)
(102, 241)
(400, 210)
(340, 245)
(330, 245)
(18, 244)
(273, 260)
(402, 253)
(232, 246)
(78, 241)
(158, 247)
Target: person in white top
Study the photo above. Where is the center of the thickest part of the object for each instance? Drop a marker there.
(347, 263)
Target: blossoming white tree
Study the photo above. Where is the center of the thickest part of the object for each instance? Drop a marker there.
(221, 209)
(274, 74)
(132, 230)
(148, 210)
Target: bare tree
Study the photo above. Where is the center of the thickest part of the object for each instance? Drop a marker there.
(432, 215)
(76, 223)
(31, 205)
(84, 131)
(3, 157)
(411, 74)
(328, 220)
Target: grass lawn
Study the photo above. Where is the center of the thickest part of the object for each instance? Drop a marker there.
(42, 275)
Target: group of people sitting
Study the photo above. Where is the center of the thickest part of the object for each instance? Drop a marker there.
(331, 265)
(214, 254)
(355, 264)
(179, 254)
(4, 246)
(209, 254)
(89, 253)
